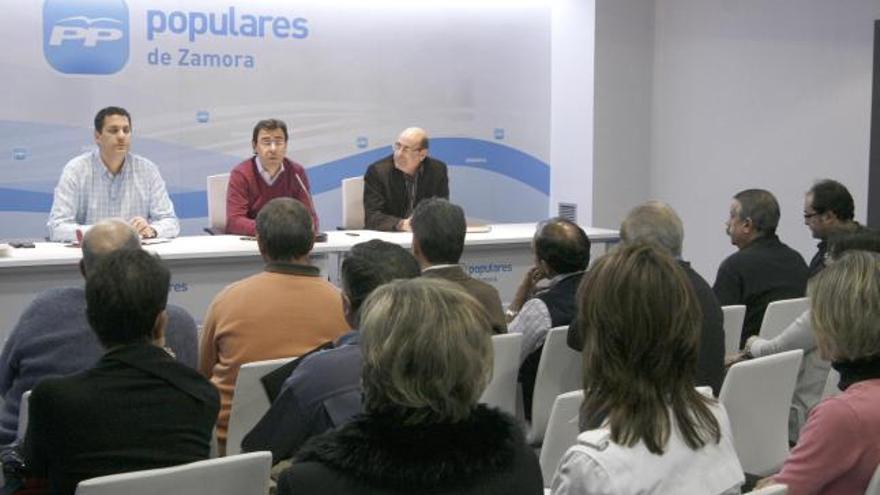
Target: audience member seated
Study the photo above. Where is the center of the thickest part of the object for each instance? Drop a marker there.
(427, 358)
(799, 335)
(838, 449)
(324, 390)
(828, 210)
(137, 408)
(562, 253)
(285, 311)
(645, 428)
(764, 269)
(53, 338)
(438, 229)
(657, 222)
(267, 175)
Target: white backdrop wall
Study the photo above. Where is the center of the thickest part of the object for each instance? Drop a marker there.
(749, 94)
(347, 76)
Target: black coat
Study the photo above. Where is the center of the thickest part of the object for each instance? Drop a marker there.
(137, 408)
(378, 454)
(385, 201)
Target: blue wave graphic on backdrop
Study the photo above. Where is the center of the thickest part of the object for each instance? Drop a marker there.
(457, 152)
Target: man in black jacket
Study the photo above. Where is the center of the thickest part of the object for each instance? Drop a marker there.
(137, 408)
(764, 269)
(394, 185)
(657, 222)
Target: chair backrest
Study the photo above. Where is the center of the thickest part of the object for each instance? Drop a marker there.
(23, 408)
(249, 401)
(559, 371)
(353, 203)
(831, 384)
(874, 485)
(501, 391)
(757, 395)
(244, 474)
(770, 490)
(217, 185)
(734, 316)
(562, 431)
(780, 314)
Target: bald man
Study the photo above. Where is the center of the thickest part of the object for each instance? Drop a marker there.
(394, 185)
(53, 338)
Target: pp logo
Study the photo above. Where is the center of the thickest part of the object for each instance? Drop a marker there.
(85, 37)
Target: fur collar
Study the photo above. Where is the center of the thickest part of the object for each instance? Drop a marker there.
(380, 451)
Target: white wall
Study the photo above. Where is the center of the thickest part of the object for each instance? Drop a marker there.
(752, 94)
(571, 123)
(624, 74)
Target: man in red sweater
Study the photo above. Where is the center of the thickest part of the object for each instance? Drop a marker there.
(265, 176)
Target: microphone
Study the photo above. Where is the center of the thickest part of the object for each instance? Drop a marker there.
(308, 195)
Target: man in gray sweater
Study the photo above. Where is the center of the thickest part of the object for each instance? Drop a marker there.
(53, 338)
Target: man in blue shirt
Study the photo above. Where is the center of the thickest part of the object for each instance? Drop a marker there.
(324, 390)
(111, 182)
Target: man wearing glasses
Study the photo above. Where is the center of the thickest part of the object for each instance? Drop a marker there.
(263, 177)
(394, 185)
(828, 210)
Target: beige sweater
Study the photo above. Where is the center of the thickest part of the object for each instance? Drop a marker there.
(284, 311)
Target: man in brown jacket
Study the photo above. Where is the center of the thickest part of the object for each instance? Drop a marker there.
(284, 311)
(438, 240)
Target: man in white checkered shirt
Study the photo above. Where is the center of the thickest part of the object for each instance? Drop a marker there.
(110, 182)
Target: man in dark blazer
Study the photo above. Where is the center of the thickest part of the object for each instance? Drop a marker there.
(137, 408)
(658, 223)
(439, 229)
(394, 185)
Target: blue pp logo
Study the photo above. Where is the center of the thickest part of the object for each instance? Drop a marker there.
(85, 37)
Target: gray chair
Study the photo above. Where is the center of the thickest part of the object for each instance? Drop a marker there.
(757, 395)
(217, 185)
(501, 391)
(559, 371)
(780, 314)
(244, 474)
(249, 401)
(734, 316)
(353, 203)
(562, 432)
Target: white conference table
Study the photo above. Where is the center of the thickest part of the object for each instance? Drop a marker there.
(202, 265)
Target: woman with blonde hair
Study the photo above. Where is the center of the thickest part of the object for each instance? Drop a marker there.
(427, 358)
(645, 428)
(839, 446)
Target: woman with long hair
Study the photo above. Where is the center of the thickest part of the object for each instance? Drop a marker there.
(645, 427)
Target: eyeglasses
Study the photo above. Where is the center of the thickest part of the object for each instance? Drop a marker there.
(406, 149)
(269, 142)
(808, 216)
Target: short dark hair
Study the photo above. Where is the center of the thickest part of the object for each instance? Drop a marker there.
(863, 240)
(107, 111)
(284, 229)
(269, 125)
(371, 264)
(830, 195)
(125, 292)
(761, 207)
(563, 245)
(439, 227)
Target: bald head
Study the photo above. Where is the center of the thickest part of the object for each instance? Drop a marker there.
(106, 237)
(410, 149)
(416, 134)
(655, 222)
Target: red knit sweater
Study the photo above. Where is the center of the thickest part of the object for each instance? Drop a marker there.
(248, 192)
